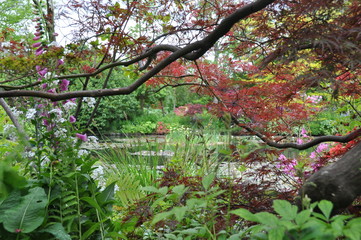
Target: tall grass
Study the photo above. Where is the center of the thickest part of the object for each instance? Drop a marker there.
(130, 172)
(195, 153)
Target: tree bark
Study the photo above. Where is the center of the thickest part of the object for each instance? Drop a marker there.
(339, 182)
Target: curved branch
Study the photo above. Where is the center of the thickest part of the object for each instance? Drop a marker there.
(192, 51)
(341, 139)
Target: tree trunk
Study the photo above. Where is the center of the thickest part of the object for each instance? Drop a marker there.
(12, 117)
(339, 182)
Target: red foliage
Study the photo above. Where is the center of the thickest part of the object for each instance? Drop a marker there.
(161, 128)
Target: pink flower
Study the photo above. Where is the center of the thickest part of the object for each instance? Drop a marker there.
(44, 85)
(313, 155)
(36, 38)
(64, 85)
(304, 132)
(37, 34)
(72, 119)
(322, 147)
(82, 137)
(299, 141)
(282, 158)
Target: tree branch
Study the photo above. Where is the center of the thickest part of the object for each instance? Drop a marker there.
(314, 142)
(192, 51)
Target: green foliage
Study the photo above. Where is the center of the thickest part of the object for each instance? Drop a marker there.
(111, 113)
(15, 14)
(306, 224)
(130, 172)
(10, 180)
(26, 214)
(147, 127)
(182, 213)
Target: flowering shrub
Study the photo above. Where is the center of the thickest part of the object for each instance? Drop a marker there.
(61, 198)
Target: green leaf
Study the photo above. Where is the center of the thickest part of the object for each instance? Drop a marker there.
(93, 203)
(276, 233)
(58, 231)
(90, 231)
(303, 216)
(106, 195)
(326, 208)
(245, 214)
(179, 212)
(180, 189)
(285, 209)
(150, 189)
(356, 222)
(163, 190)
(171, 236)
(267, 219)
(353, 234)
(29, 214)
(161, 216)
(207, 180)
(11, 201)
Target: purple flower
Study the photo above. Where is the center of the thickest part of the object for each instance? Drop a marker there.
(299, 141)
(37, 44)
(39, 51)
(52, 90)
(36, 38)
(72, 119)
(45, 122)
(60, 62)
(41, 71)
(64, 85)
(44, 85)
(82, 137)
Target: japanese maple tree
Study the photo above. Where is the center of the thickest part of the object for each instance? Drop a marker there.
(262, 61)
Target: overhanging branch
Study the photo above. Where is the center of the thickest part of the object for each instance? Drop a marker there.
(192, 51)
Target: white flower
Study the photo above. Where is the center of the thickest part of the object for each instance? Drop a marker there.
(57, 111)
(69, 105)
(31, 113)
(82, 152)
(29, 154)
(61, 120)
(48, 75)
(61, 132)
(16, 112)
(8, 128)
(93, 139)
(90, 101)
(6, 44)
